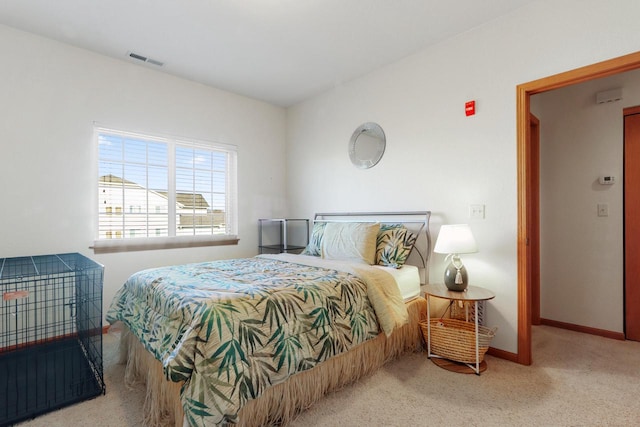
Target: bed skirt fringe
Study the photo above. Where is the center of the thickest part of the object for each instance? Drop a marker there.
(281, 403)
(162, 405)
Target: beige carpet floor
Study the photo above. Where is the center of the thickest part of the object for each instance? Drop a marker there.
(575, 380)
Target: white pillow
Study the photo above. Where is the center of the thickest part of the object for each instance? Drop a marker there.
(350, 241)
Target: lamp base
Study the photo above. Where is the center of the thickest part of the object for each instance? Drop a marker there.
(450, 274)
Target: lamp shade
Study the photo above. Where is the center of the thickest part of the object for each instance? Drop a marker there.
(455, 239)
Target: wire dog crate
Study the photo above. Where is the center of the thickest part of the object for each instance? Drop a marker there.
(50, 334)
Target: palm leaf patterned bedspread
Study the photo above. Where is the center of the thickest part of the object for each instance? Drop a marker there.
(232, 328)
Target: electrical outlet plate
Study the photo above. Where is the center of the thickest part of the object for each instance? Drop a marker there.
(476, 211)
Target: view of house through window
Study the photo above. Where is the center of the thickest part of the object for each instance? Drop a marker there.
(154, 187)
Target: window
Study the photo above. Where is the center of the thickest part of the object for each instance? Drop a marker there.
(179, 190)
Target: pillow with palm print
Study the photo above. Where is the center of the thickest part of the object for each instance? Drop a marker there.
(393, 245)
(315, 241)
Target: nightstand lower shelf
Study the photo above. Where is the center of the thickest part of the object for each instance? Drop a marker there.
(459, 367)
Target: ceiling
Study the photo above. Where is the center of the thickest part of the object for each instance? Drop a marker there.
(278, 51)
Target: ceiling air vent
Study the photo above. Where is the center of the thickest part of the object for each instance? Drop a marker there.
(145, 59)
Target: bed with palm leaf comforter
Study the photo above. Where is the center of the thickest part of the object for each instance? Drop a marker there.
(229, 330)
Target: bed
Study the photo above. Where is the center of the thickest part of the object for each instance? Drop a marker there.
(255, 341)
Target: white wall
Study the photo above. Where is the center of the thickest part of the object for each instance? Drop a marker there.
(437, 158)
(51, 94)
(582, 254)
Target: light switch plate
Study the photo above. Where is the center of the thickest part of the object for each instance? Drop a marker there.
(603, 209)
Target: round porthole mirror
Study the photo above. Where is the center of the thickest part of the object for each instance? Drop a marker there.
(367, 145)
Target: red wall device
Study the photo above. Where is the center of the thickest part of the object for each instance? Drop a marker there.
(470, 108)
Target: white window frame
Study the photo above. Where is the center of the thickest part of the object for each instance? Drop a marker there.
(125, 243)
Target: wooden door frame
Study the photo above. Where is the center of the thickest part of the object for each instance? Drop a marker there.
(523, 94)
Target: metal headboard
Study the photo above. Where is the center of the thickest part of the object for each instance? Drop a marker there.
(417, 222)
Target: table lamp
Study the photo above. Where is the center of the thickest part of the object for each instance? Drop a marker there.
(454, 240)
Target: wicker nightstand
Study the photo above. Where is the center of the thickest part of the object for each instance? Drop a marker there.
(457, 340)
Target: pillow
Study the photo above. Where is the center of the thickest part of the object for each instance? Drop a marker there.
(313, 248)
(350, 241)
(393, 245)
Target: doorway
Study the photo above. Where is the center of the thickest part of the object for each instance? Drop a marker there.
(631, 223)
(533, 217)
(525, 204)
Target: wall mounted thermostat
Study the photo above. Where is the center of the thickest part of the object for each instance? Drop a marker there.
(607, 180)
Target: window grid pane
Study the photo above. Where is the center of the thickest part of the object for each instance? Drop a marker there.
(126, 201)
(198, 173)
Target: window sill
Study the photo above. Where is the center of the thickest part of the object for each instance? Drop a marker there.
(153, 243)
